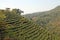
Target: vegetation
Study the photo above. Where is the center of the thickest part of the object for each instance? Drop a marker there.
(49, 20)
(13, 26)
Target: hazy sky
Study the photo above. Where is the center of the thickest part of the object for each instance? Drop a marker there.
(29, 6)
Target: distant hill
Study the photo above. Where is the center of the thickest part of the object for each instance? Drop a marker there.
(16, 27)
(48, 19)
(40, 17)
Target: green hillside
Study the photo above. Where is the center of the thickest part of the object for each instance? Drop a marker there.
(15, 27)
(48, 19)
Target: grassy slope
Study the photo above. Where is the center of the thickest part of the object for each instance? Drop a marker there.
(16, 27)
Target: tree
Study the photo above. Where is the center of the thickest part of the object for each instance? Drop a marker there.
(18, 11)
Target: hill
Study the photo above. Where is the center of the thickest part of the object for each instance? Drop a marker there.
(16, 27)
(44, 17)
(48, 19)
